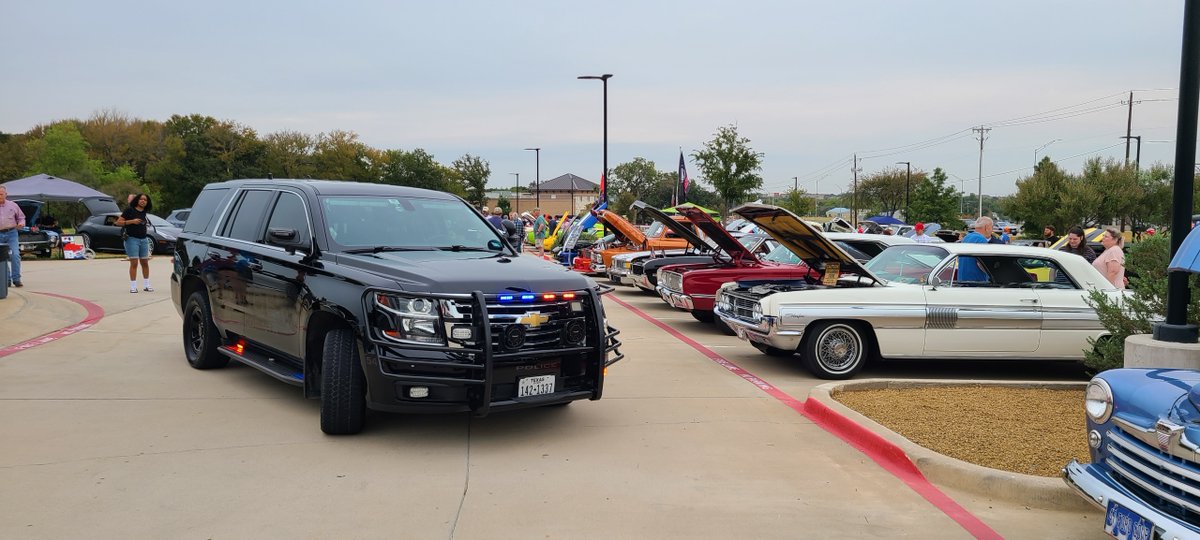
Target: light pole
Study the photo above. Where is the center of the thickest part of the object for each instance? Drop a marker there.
(537, 179)
(517, 192)
(962, 182)
(1039, 149)
(604, 176)
(907, 181)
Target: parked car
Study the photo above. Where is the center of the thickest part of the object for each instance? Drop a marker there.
(31, 238)
(909, 302)
(177, 218)
(657, 236)
(380, 297)
(1144, 471)
(101, 233)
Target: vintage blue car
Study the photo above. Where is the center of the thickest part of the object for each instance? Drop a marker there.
(1144, 434)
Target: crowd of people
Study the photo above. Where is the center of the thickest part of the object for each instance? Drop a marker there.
(513, 226)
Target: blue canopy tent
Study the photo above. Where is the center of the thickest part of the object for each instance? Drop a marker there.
(1188, 256)
(885, 220)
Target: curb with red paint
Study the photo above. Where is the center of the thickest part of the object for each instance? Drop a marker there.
(887, 455)
(94, 314)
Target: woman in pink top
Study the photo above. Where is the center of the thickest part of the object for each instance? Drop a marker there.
(1111, 262)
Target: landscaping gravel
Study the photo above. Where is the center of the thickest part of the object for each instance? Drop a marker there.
(1024, 430)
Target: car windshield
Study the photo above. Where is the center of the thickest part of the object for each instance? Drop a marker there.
(654, 230)
(157, 221)
(782, 255)
(906, 264)
(407, 223)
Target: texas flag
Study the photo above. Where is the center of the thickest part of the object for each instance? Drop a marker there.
(683, 179)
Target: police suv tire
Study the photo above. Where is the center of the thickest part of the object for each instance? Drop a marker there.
(343, 386)
(772, 351)
(200, 336)
(835, 349)
(702, 316)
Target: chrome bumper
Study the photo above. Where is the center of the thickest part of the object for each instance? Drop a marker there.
(675, 299)
(642, 281)
(1095, 485)
(766, 332)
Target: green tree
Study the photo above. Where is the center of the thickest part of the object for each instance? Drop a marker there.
(417, 169)
(933, 201)
(289, 154)
(637, 177)
(504, 204)
(883, 192)
(63, 152)
(798, 202)
(730, 165)
(339, 155)
(473, 173)
(14, 160)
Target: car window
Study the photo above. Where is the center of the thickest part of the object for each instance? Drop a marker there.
(248, 216)
(289, 213)
(871, 249)
(157, 221)
(182, 216)
(782, 255)
(1046, 274)
(906, 264)
(205, 208)
(110, 221)
(408, 222)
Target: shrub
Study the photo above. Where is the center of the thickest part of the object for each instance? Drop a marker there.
(1146, 262)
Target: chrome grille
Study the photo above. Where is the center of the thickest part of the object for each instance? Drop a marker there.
(671, 280)
(1168, 483)
(742, 307)
(638, 268)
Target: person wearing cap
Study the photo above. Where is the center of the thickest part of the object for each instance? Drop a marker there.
(919, 235)
(1005, 238)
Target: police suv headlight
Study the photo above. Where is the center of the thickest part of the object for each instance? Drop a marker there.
(1098, 401)
(408, 319)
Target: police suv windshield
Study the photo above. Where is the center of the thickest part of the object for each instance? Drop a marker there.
(406, 224)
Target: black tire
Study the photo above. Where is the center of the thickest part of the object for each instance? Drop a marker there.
(835, 349)
(200, 336)
(772, 351)
(702, 316)
(343, 386)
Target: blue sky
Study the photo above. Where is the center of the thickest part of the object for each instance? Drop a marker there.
(809, 83)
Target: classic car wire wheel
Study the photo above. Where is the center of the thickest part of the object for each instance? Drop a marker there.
(839, 349)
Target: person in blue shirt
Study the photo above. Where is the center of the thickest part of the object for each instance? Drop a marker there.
(1004, 237)
(968, 267)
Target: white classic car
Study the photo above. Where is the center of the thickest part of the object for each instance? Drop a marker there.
(948, 301)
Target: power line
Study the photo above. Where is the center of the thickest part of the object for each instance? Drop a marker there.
(1057, 161)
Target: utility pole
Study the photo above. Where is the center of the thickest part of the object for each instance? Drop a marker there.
(982, 137)
(1137, 160)
(1128, 127)
(907, 181)
(795, 183)
(854, 197)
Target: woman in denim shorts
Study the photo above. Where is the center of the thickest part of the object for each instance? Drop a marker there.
(137, 242)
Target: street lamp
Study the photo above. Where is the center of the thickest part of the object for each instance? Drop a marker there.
(907, 181)
(517, 193)
(604, 176)
(537, 185)
(1039, 149)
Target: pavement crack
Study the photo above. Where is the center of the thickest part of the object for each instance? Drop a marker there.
(466, 482)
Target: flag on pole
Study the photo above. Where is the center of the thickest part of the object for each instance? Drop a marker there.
(603, 189)
(683, 179)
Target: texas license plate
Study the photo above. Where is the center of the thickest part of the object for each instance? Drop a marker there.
(1123, 524)
(535, 386)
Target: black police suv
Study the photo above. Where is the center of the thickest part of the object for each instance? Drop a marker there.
(381, 297)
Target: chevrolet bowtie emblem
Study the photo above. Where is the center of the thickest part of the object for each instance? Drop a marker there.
(533, 319)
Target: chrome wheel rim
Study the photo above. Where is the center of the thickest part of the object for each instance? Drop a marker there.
(195, 331)
(839, 349)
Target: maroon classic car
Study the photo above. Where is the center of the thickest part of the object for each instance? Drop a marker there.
(693, 287)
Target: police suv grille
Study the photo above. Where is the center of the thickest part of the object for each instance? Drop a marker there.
(1168, 483)
(543, 325)
(671, 280)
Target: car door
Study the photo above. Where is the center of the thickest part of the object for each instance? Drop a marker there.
(980, 319)
(278, 288)
(108, 233)
(233, 260)
(1067, 320)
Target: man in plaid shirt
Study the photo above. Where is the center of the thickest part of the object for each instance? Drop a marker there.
(11, 220)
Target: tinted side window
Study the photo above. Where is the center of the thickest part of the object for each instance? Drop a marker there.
(248, 216)
(205, 208)
(289, 213)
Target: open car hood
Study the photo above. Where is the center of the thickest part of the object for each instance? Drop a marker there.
(721, 237)
(621, 227)
(675, 226)
(100, 205)
(807, 243)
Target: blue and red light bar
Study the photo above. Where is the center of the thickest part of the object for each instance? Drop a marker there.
(530, 297)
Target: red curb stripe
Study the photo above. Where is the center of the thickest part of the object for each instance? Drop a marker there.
(880, 450)
(94, 314)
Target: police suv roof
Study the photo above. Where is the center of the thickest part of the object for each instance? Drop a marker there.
(336, 187)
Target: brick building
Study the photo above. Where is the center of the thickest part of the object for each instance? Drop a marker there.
(558, 195)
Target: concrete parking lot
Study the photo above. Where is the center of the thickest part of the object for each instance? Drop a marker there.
(110, 434)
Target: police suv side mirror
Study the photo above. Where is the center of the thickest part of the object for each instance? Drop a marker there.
(288, 239)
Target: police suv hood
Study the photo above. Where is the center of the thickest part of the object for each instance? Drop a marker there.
(459, 272)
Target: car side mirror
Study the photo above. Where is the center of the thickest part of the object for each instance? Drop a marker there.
(935, 282)
(495, 245)
(288, 239)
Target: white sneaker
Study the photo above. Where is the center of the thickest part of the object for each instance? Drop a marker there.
(133, 290)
